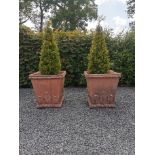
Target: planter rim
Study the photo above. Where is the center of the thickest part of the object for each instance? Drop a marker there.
(37, 75)
(109, 74)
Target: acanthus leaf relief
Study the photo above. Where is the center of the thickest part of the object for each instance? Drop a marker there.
(102, 98)
(47, 98)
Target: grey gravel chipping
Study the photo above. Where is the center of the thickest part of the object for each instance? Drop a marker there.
(75, 129)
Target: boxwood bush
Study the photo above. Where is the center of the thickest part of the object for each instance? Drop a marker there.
(98, 58)
(74, 47)
(50, 58)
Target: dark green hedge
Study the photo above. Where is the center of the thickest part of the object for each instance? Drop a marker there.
(74, 48)
(122, 53)
(29, 50)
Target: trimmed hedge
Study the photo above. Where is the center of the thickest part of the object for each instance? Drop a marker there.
(98, 58)
(29, 51)
(74, 48)
(122, 51)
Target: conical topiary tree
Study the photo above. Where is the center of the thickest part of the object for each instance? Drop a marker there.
(50, 57)
(98, 58)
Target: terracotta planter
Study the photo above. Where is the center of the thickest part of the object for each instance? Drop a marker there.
(48, 89)
(102, 88)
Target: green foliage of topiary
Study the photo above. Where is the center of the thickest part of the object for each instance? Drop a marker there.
(98, 59)
(50, 57)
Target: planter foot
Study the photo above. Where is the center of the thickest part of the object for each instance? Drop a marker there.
(58, 105)
(100, 105)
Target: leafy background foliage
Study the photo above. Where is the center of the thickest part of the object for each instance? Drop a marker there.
(29, 51)
(74, 47)
(124, 58)
(65, 14)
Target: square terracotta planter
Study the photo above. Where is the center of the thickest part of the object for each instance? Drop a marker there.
(48, 89)
(102, 88)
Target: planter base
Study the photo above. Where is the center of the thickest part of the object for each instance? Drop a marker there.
(100, 105)
(58, 105)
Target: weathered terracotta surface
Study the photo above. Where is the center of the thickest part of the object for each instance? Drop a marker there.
(102, 88)
(48, 89)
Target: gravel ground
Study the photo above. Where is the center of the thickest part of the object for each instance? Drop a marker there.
(75, 129)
